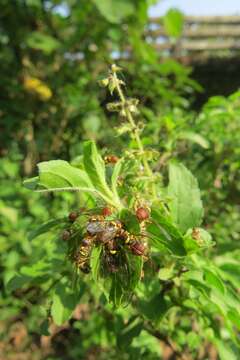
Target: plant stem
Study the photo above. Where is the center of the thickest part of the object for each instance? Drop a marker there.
(147, 168)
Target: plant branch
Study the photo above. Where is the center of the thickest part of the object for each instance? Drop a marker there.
(130, 119)
(156, 333)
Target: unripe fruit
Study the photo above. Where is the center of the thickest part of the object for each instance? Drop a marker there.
(66, 235)
(142, 214)
(106, 211)
(73, 216)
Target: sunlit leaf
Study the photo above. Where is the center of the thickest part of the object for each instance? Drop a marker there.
(214, 280)
(39, 41)
(185, 200)
(64, 302)
(195, 138)
(95, 168)
(114, 12)
(173, 23)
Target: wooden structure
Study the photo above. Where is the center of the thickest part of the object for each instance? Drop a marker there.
(202, 37)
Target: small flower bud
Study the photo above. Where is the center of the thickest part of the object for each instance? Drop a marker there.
(66, 235)
(104, 82)
(73, 216)
(115, 68)
(106, 211)
(111, 159)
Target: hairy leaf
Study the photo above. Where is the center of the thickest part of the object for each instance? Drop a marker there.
(95, 168)
(58, 174)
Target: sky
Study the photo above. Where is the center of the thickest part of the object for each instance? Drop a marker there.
(198, 7)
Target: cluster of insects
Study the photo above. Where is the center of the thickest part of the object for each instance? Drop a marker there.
(102, 231)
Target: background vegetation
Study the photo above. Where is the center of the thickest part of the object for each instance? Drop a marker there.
(52, 55)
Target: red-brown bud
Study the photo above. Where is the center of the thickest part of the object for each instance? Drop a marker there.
(142, 214)
(66, 235)
(73, 216)
(106, 211)
(111, 159)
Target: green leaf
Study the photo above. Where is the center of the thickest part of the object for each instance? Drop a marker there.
(154, 309)
(116, 294)
(234, 317)
(196, 138)
(59, 175)
(190, 244)
(115, 175)
(173, 23)
(135, 270)
(203, 240)
(17, 282)
(37, 269)
(130, 221)
(95, 263)
(166, 273)
(225, 351)
(44, 328)
(131, 330)
(39, 41)
(114, 11)
(164, 233)
(42, 229)
(185, 204)
(32, 183)
(213, 280)
(124, 281)
(231, 272)
(64, 302)
(95, 168)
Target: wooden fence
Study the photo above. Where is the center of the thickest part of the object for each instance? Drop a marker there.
(202, 36)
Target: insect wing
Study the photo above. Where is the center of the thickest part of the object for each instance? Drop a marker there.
(95, 227)
(109, 233)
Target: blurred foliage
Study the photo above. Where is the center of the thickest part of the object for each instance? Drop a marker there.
(52, 54)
